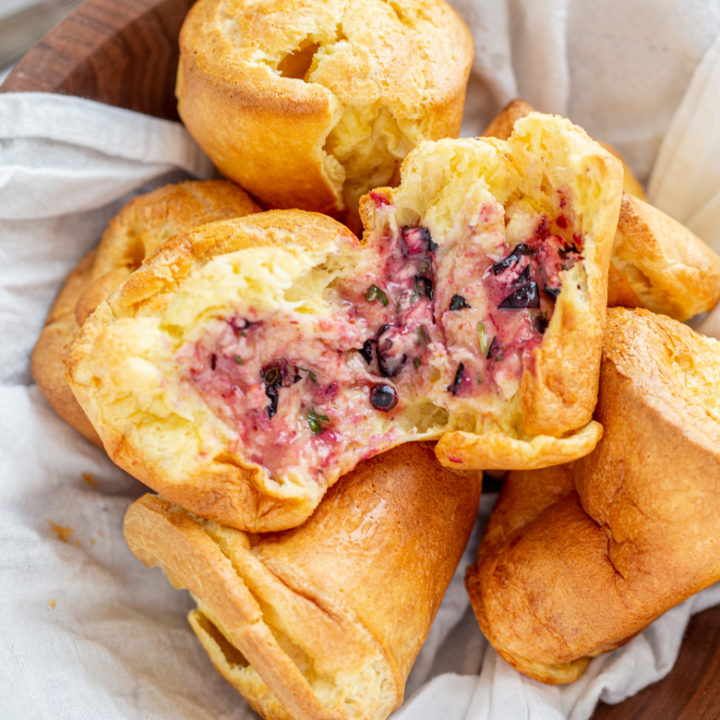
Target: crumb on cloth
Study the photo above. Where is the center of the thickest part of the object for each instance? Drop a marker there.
(90, 479)
(63, 532)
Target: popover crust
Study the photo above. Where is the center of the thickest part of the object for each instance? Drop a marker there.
(310, 103)
(577, 559)
(657, 263)
(132, 235)
(323, 621)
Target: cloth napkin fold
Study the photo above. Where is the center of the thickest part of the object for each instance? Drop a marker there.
(685, 178)
(87, 631)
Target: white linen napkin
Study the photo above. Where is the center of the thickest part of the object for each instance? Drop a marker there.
(87, 631)
(684, 180)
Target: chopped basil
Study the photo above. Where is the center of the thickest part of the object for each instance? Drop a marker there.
(238, 360)
(375, 293)
(422, 335)
(416, 362)
(495, 351)
(316, 421)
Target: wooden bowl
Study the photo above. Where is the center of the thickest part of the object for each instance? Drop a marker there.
(120, 52)
(124, 53)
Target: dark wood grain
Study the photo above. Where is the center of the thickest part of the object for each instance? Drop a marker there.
(124, 53)
(692, 689)
(120, 52)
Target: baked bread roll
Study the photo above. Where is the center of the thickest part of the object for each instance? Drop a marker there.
(657, 263)
(146, 222)
(47, 361)
(669, 269)
(133, 234)
(310, 103)
(251, 362)
(323, 621)
(579, 558)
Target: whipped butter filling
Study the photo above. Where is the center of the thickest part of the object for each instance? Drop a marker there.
(440, 317)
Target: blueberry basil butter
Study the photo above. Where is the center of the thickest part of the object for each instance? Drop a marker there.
(274, 352)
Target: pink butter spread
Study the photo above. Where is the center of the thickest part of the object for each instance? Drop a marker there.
(301, 396)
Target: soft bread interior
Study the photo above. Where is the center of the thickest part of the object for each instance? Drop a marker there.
(144, 224)
(503, 123)
(481, 197)
(268, 268)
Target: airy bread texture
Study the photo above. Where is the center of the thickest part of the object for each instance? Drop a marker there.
(250, 363)
(657, 263)
(503, 123)
(132, 235)
(310, 103)
(579, 558)
(323, 621)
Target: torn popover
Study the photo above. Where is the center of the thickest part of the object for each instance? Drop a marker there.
(657, 262)
(251, 362)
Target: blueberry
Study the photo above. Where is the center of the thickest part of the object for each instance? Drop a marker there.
(458, 302)
(518, 251)
(383, 397)
(526, 296)
(366, 351)
(424, 286)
